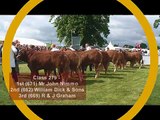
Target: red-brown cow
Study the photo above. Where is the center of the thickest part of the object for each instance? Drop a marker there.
(89, 57)
(75, 63)
(134, 57)
(105, 60)
(46, 60)
(117, 58)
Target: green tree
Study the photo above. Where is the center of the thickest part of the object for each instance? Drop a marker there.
(143, 45)
(156, 23)
(158, 47)
(93, 29)
(128, 46)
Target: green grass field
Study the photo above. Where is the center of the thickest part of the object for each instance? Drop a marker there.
(120, 88)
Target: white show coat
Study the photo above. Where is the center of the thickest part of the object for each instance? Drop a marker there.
(12, 56)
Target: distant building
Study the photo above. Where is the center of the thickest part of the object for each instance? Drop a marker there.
(110, 47)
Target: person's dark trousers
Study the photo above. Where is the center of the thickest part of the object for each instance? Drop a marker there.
(14, 75)
(17, 66)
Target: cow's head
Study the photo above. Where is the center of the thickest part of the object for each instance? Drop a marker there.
(22, 55)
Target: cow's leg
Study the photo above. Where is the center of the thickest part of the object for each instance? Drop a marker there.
(121, 65)
(131, 64)
(72, 72)
(37, 73)
(62, 74)
(140, 64)
(83, 69)
(66, 76)
(45, 72)
(62, 78)
(90, 67)
(125, 64)
(48, 75)
(59, 76)
(105, 68)
(55, 73)
(33, 75)
(80, 76)
(134, 63)
(105, 65)
(97, 70)
(115, 67)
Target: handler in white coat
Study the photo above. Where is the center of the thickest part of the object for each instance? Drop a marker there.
(13, 53)
(13, 62)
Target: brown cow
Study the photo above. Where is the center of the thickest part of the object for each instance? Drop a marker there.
(117, 58)
(89, 57)
(75, 63)
(134, 57)
(105, 60)
(46, 60)
(121, 60)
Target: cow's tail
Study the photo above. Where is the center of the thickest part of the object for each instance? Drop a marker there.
(79, 62)
(66, 63)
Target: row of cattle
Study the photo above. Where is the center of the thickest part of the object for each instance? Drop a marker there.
(67, 62)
